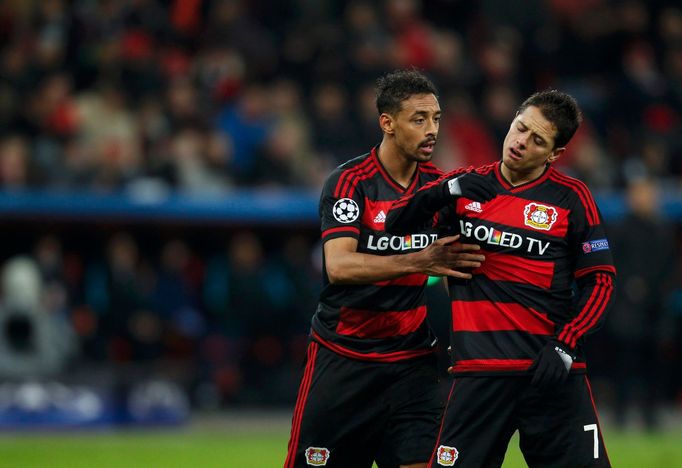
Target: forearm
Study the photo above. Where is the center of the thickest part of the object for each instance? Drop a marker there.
(596, 296)
(414, 211)
(360, 268)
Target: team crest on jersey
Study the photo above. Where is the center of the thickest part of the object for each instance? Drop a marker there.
(539, 216)
(447, 456)
(316, 456)
(345, 210)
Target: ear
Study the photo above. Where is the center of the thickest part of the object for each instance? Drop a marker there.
(386, 123)
(556, 154)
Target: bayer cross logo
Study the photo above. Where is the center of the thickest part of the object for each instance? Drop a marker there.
(346, 210)
(539, 216)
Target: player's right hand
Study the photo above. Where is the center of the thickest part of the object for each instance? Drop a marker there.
(447, 257)
(472, 186)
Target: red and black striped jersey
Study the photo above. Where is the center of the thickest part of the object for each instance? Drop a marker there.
(548, 272)
(383, 321)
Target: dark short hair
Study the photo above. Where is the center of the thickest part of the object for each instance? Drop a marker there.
(395, 87)
(559, 108)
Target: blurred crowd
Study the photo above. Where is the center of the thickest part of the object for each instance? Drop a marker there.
(205, 96)
(227, 319)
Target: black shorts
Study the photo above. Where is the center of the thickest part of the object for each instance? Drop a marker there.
(557, 428)
(350, 413)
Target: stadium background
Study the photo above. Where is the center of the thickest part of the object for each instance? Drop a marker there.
(160, 163)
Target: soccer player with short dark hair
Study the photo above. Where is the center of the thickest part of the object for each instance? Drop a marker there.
(369, 391)
(518, 325)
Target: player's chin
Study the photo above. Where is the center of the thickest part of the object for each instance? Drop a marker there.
(421, 156)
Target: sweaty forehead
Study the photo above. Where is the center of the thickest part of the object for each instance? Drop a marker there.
(537, 123)
(420, 103)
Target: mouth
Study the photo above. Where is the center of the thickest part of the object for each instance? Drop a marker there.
(515, 155)
(427, 147)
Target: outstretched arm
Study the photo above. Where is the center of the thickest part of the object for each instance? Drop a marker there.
(414, 211)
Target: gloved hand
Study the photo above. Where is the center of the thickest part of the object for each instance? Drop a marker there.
(471, 185)
(552, 365)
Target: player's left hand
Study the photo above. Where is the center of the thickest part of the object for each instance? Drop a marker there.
(552, 365)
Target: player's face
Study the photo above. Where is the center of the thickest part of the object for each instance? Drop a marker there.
(416, 127)
(529, 144)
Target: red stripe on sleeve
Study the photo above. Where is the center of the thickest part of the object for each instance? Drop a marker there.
(352, 229)
(484, 316)
(359, 178)
(415, 279)
(379, 324)
(585, 271)
(593, 310)
(605, 295)
(341, 184)
(583, 193)
(503, 267)
(569, 328)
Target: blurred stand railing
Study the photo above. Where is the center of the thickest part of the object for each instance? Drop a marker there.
(240, 207)
(252, 206)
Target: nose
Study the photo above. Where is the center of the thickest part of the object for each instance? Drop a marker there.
(521, 140)
(432, 128)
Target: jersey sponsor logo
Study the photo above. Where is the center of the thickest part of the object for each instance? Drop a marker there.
(447, 456)
(380, 218)
(474, 206)
(539, 216)
(408, 242)
(317, 456)
(492, 236)
(345, 210)
(595, 245)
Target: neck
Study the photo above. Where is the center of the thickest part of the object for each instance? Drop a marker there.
(400, 168)
(517, 177)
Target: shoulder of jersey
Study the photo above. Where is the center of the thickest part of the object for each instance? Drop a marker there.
(485, 169)
(430, 168)
(579, 191)
(570, 183)
(342, 180)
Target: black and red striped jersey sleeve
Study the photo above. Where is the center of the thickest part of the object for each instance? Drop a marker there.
(416, 210)
(342, 201)
(594, 270)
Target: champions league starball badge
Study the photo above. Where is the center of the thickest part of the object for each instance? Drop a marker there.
(345, 210)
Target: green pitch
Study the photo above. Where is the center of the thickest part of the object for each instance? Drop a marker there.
(262, 448)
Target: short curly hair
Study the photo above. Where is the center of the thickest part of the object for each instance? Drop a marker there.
(559, 108)
(395, 87)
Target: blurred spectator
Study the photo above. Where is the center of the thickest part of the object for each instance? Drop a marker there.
(247, 123)
(14, 163)
(644, 256)
(332, 123)
(34, 341)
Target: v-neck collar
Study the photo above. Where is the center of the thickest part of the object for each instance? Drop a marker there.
(391, 181)
(524, 186)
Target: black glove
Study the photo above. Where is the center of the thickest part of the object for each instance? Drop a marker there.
(471, 185)
(552, 365)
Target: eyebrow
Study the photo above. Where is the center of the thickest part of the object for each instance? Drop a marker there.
(421, 112)
(544, 140)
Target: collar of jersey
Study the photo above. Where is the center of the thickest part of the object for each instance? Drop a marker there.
(526, 185)
(391, 181)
